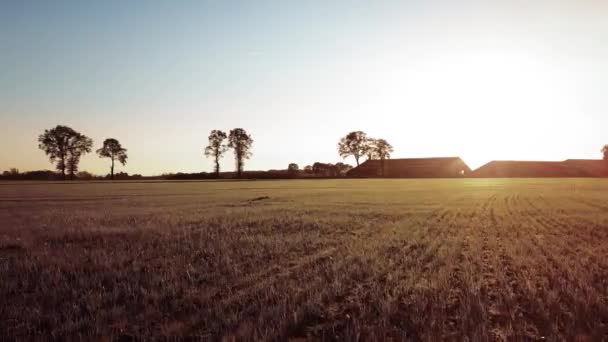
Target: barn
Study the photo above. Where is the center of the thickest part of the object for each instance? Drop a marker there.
(589, 167)
(449, 167)
(514, 168)
(567, 168)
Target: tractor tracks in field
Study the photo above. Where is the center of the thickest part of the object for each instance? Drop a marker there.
(295, 266)
(569, 243)
(530, 318)
(564, 235)
(492, 290)
(269, 287)
(273, 290)
(252, 299)
(456, 283)
(460, 303)
(597, 232)
(558, 227)
(266, 277)
(552, 243)
(589, 203)
(412, 258)
(409, 257)
(506, 306)
(518, 306)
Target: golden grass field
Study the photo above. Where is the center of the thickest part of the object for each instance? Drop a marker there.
(504, 259)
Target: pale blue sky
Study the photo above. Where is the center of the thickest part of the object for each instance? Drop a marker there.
(482, 80)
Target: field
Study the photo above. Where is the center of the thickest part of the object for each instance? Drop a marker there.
(307, 259)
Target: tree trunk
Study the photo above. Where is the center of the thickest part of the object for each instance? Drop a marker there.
(112, 169)
(239, 166)
(357, 159)
(217, 166)
(63, 168)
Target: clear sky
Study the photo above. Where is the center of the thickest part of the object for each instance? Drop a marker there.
(479, 79)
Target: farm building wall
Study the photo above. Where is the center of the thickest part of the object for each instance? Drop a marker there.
(412, 168)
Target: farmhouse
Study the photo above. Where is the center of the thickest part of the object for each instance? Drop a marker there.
(567, 168)
(412, 168)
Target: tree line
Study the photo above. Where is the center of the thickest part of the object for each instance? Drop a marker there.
(65, 147)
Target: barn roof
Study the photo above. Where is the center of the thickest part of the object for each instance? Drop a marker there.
(515, 168)
(567, 168)
(412, 167)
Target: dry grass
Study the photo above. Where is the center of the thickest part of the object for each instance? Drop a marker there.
(323, 260)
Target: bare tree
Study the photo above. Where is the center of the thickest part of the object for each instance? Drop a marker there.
(240, 142)
(354, 144)
(216, 148)
(64, 146)
(113, 150)
(605, 152)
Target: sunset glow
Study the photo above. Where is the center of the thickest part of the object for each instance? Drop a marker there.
(313, 170)
(484, 81)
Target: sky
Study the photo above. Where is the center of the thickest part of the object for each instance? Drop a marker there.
(484, 80)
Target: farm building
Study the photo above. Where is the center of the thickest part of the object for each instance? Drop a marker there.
(589, 167)
(412, 168)
(567, 168)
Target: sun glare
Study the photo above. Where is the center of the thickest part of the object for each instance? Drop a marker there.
(482, 105)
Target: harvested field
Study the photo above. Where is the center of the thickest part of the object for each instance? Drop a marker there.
(487, 259)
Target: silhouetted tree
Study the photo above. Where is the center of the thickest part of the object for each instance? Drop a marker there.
(13, 171)
(120, 176)
(72, 165)
(342, 168)
(82, 145)
(29, 175)
(321, 169)
(112, 149)
(329, 169)
(216, 148)
(334, 170)
(292, 169)
(308, 169)
(65, 146)
(370, 149)
(382, 149)
(354, 144)
(84, 175)
(605, 152)
(240, 142)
